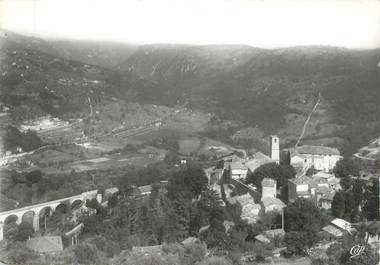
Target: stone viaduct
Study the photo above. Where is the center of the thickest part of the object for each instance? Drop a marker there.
(36, 210)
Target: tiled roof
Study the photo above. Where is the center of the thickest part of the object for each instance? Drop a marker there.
(45, 244)
(190, 240)
(267, 201)
(329, 196)
(332, 230)
(262, 238)
(145, 189)
(250, 210)
(258, 160)
(266, 235)
(323, 175)
(342, 224)
(242, 199)
(232, 158)
(274, 232)
(301, 180)
(267, 182)
(316, 150)
(323, 190)
(112, 190)
(238, 165)
(303, 193)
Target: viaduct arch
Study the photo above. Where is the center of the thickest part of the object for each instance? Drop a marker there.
(39, 208)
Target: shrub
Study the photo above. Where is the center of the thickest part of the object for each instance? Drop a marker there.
(20, 254)
(86, 253)
(215, 261)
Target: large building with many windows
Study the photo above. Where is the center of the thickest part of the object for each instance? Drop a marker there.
(320, 157)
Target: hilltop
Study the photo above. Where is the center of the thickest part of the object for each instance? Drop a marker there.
(34, 82)
(254, 91)
(273, 90)
(102, 54)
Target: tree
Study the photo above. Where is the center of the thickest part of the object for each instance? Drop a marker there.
(151, 259)
(237, 241)
(194, 252)
(215, 236)
(178, 219)
(20, 254)
(211, 204)
(112, 201)
(346, 167)
(295, 242)
(350, 209)
(337, 205)
(284, 194)
(191, 181)
(215, 261)
(34, 176)
(261, 251)
(171, 158)
(25, 230)
(371, 200)
(286, 158)
(311, 171)
(358, 192)
(339, 253)
(346, 182)
(220, 164)
(11, 79)
(86, 253)
(157, 206)
(301, 214)
(280, 173)
(93, 203)
(11, 231)
(28, 140)
(304, 218)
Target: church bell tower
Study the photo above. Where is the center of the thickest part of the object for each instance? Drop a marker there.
(275, 149)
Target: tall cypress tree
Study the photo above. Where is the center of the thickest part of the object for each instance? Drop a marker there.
(338, 205)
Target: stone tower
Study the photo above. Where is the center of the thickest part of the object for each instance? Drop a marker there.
(275, 149)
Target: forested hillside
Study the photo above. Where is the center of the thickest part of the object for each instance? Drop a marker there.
(262, 87)
(272, 91)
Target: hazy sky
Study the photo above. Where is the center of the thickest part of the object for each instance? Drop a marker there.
(263, 23)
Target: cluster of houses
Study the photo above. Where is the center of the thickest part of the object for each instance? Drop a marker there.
(319, 187)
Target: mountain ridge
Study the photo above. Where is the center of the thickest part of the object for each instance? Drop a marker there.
(270, 89)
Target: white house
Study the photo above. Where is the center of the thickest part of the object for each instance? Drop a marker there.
(299, 188)
(320, 157)
(269, 188)
(249, 210)
(238, 169)
(272, 204)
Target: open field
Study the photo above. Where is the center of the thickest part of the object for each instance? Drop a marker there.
(189, 145)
